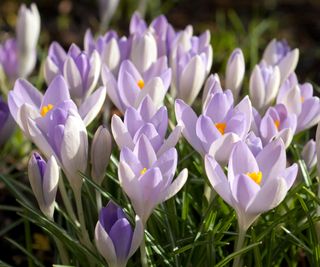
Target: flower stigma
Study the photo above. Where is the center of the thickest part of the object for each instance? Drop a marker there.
(255, 176)
(140, 83)
(221, 126)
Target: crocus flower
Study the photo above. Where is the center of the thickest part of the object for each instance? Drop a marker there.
(264, 85)
(6, 122)
(278, 53)
(53, 123)
(145, 120)
(18, 55)
(101, 149)
(148, 179)
(143, 51)
(25, 93)
(111, 48)
(44, 178)
(299, 99)
(132, 86)
(191, 61)
(253, 185)
(27, 31)
(114, 236)
(81, 73)
(211, 86)
(235, 72)
(162, 31)
(218, 128)
(278, 123)
(254, 143)
(309, 154)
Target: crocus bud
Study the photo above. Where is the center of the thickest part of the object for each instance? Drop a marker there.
(100, 153)
(143, 51)
(27, 30)
(212, 86)
(114, 237)
(279, 53)
(309, 154)
(6, 122)
(107, 9)
(44, 177)
(235, 72)
(264, 85)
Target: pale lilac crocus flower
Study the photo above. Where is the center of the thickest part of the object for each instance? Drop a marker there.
(219, 126)
(44, 178)
(211, 86)
(309, 154)
(191, 61)
(299, 99)
(235, 70)
(264, 85)
(131, 86)
(279, 53)
(81, 73)
(146, 120)
(278, 123)
(254, 184)
(148, 179)
(53, 123)
(114, 237)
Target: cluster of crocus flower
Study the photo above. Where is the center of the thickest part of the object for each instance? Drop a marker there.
(247, 136)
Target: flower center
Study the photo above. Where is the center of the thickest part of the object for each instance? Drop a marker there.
(143, 171)
(140, 83)
(302, 99)
(277, 124)
(221, 126)
(255, 176)
(46, 109)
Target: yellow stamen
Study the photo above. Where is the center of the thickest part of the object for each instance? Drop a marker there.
(255, 176)
(46, 109)
(277, 124)
(302, 99)
(140, 83)
(143, 171)
(221, 126)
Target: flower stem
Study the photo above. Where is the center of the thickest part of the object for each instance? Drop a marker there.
(62, 251)
(66, 201)
(240, 241)
(317, 226)
(98, 200)
(144, 260)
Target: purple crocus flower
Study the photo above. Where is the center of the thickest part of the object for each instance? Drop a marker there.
(191, 60)
(44, 178)
(145, 120)
(81, 73)
(114, 237)
(278, 123)
(211, 86)
(25, 93)
(299, 99)
(9, 58)
(53, 123)
(264, 85)
(235, 70)
(254, 184)
(254, 143)
(309, 154)
(148, 179)
(218, 127)
(279, 53)
(7, 124)
(132, 86)
(111, 48)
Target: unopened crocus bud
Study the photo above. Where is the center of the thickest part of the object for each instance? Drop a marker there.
(107, 9)
(114, 236)
(279, 53)
(143, 51)
(28, 31)
(264, 85)
(100, 153)
(309, 154)
(235, 72)
(44, 178)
